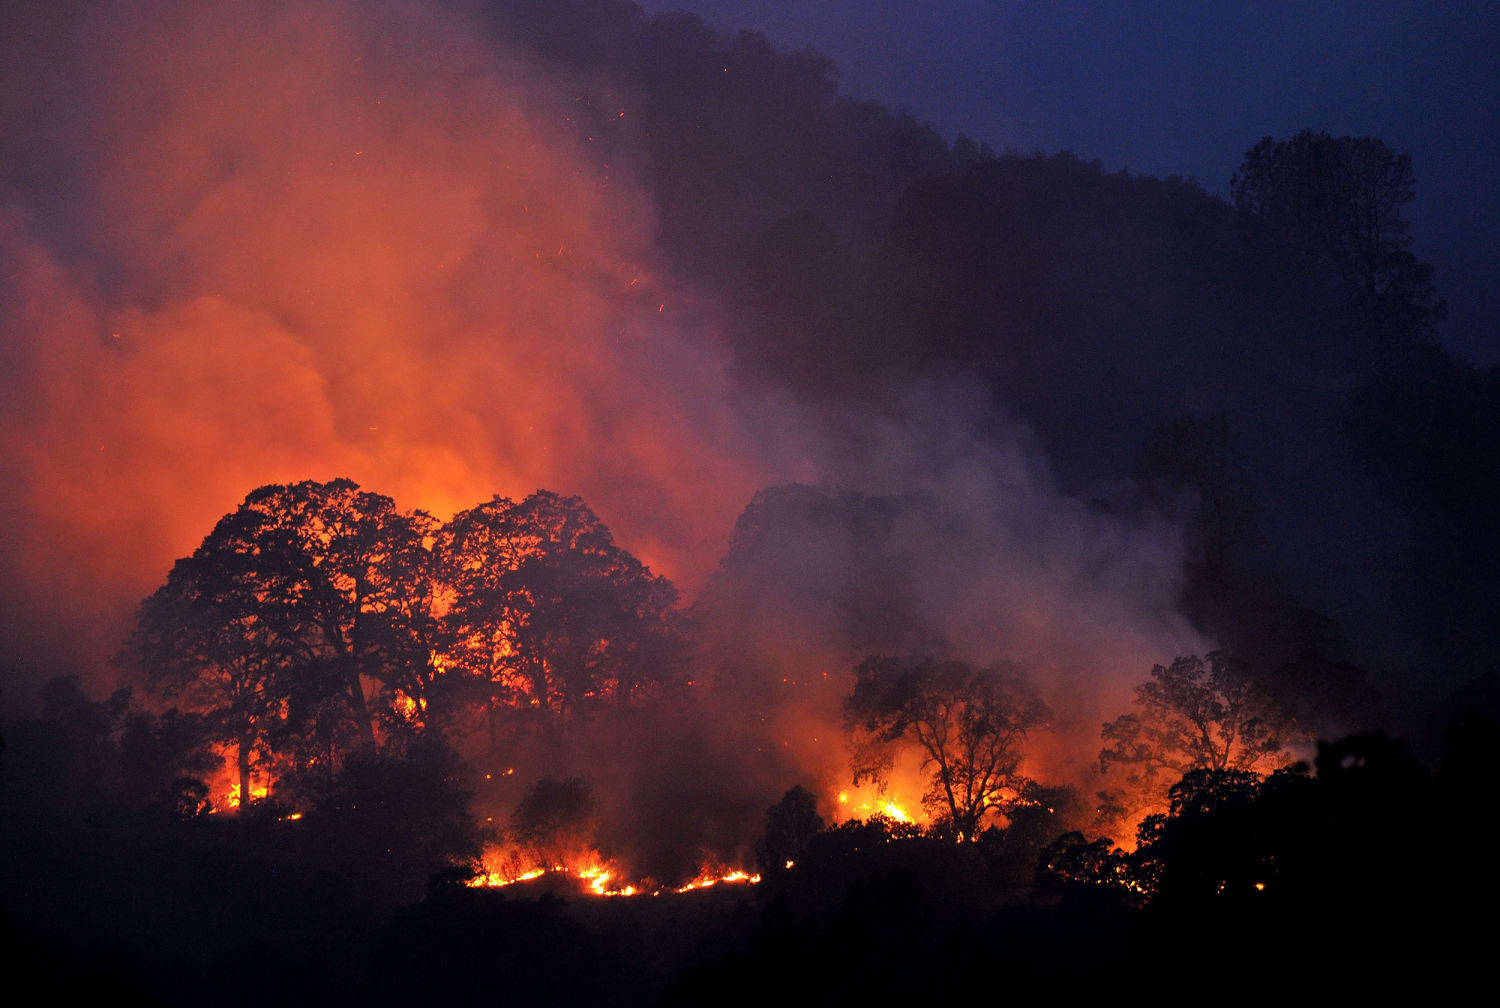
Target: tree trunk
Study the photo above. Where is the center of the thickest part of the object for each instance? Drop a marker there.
(244, 765)
(360, 709)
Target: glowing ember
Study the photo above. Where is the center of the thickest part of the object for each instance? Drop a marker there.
(406, 707)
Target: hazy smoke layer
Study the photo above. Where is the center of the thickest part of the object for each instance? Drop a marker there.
(964, 549)
(248, 243)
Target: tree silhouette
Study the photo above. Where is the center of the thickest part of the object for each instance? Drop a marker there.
(1336, 203)
(970, 724)
(274, 621)
(547, 613)
(1200, 455)
(1193, 715)
(337, 565)
(556, 822)
(391, 817)
(168, 758)
(791, 825)
(1076, 867)
(202, 640)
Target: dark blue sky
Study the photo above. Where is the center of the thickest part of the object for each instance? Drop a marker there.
(1186, 87)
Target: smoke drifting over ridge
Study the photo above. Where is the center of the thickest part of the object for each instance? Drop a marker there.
(261, 243)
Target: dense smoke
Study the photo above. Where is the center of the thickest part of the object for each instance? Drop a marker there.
(274, 242)
(337, 239)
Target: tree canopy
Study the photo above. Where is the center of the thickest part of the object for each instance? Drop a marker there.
(309, 594)
(970, 724)
(1337, 203)
(1193, 715)
(791, 825)
(203, 639)
(546, 612)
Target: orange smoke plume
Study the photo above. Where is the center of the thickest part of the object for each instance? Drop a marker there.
(335, 239)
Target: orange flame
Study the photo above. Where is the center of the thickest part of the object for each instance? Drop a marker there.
(502, 868)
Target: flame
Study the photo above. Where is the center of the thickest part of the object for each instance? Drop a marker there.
(713, 876)
(598, 880)
(232, 795)
(871, 800)
(496, 879)
(502, 868)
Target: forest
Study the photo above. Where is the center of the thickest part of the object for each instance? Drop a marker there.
(1126, 618)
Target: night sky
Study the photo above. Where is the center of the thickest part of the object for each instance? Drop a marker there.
(1185, 88)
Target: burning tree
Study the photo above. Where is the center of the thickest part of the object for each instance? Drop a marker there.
(274, 621)
(201, 638)
(337, 567)
(556, 823)
(969, 722)
(1194, 715)
(547, 612)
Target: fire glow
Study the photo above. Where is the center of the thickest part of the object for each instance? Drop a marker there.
(869, 800)
(597, 877)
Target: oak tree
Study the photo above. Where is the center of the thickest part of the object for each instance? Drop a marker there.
(1336, 204)
(1195, 714)
(546, 613)
(969, 723)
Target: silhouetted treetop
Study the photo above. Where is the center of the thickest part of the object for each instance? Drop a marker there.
(969, 723)
(1195, 714)
(791, 825)
(1337, 203)
(546, 611)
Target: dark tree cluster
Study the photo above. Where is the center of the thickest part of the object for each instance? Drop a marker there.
(969, 723)
(1353, 877)
(1369, 856)
(1195, 715)
(309, 595)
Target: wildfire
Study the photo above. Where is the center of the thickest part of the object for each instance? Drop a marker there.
(406, 707)
(598, 880)
(707, 878)
(870, 802)
(495, 879)
(232, 797)
(597, 875)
